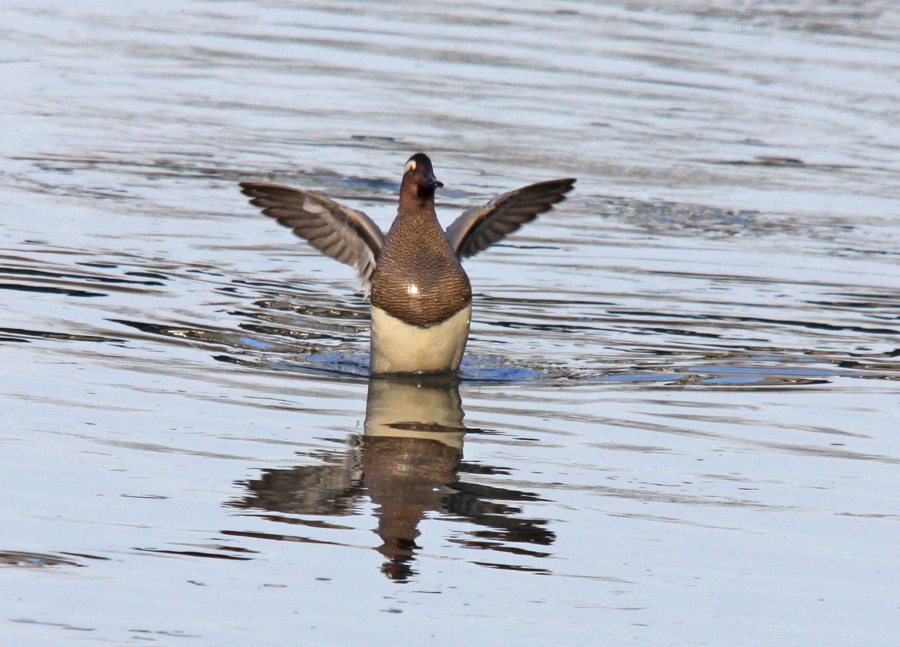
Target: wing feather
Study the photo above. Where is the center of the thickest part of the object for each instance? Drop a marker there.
(480, 227)
(346, 235)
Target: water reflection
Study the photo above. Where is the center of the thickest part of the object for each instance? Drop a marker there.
(408, 463)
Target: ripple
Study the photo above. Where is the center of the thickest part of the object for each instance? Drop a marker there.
(34, 560)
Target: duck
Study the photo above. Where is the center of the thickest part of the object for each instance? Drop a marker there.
(420, 295)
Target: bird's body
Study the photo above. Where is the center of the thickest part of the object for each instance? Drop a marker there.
(421, 297)
(433, 349)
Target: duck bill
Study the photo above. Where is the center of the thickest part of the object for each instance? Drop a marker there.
(431, 182)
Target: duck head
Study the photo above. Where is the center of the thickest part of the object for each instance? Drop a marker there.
(419, 182)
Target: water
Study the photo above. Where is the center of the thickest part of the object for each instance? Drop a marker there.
(675, 424)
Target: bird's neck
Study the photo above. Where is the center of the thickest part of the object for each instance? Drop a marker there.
(419, 216)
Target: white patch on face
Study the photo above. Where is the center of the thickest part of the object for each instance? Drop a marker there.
(413, 289)
(410, 166)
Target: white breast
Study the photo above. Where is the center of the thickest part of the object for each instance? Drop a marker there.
(399, 347)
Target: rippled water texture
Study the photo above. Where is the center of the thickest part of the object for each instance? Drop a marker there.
(676, 423)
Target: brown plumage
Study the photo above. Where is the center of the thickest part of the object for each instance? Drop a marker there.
(418, 278)
(414, 273)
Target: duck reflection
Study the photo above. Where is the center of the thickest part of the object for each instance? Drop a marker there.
(411, 449)
(408, 462)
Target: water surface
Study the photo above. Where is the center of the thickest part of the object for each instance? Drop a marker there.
(675, 423)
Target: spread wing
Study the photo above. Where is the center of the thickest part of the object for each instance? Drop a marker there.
(480, 227)
(346, 235)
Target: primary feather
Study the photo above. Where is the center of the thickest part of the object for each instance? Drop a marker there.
(480, 227)
(346, 235)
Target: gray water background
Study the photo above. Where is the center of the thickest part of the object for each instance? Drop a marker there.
(681, 387)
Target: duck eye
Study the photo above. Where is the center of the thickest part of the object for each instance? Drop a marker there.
(410, 166)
